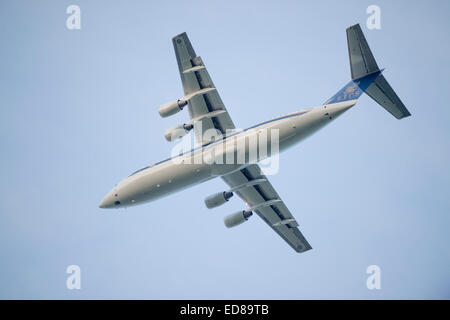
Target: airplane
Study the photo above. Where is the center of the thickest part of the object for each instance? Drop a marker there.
(245, 178)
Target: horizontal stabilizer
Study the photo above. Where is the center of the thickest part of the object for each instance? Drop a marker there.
(385, 96)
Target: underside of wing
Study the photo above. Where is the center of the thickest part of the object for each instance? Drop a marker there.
(275, 213)
(206, 109)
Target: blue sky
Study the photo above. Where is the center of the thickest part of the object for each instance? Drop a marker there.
(79, 113)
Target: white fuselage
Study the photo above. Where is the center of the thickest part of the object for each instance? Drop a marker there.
(198, 165)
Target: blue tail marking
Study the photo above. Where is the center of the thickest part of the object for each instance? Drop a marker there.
(354, 89)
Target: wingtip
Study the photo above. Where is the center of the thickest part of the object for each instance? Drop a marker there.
(403, 116)
(303, 248)
(179, 35)
(352, 27)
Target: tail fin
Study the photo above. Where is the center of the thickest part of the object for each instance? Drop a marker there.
(364, 66)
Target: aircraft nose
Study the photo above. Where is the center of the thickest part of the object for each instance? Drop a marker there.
(109, 201)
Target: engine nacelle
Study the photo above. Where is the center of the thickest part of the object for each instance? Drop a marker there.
(237, 218)
(170, 108)
(217, 199)
(175, 133)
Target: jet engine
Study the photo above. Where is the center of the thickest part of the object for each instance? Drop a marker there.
(237, 218)
(217, 199)
(170, 108)
(177, 132)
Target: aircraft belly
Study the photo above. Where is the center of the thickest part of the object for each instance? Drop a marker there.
(163, 181)
(302, 127)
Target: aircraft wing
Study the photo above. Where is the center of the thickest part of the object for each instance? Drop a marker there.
(205, 105)
(275, 213)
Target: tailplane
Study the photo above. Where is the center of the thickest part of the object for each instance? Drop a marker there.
(367, 77)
